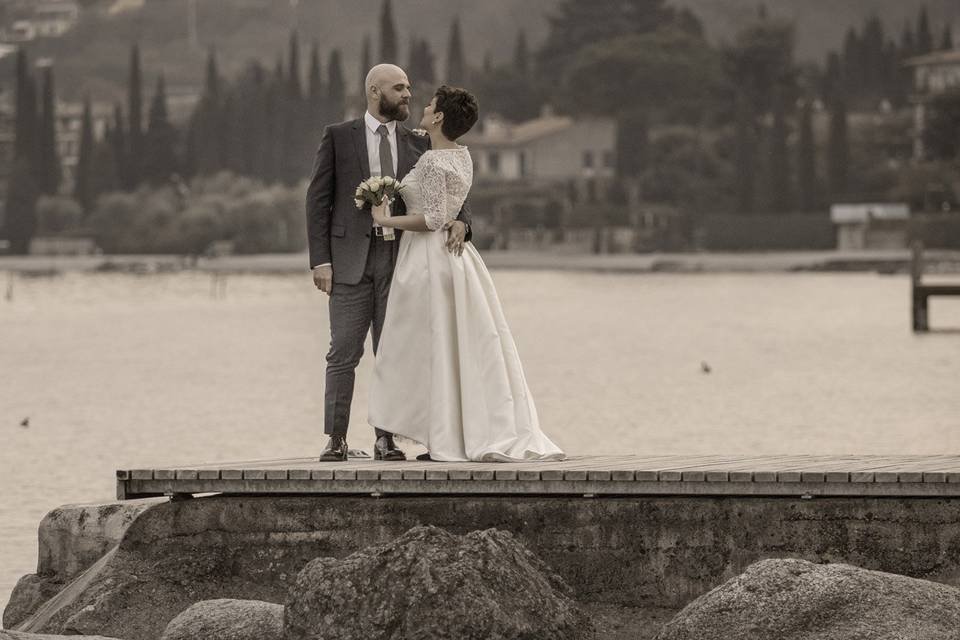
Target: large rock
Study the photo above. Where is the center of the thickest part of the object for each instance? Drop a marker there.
(799, 600)
(432, 584)
(71, 539)
(226, 619)
(19, 635)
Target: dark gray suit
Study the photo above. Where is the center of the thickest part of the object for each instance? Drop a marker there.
(341, 235)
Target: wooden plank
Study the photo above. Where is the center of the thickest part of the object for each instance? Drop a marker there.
(436, 474)
(599, 475)
(528, 476)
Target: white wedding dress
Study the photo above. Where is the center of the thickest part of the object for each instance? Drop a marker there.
(447, 371)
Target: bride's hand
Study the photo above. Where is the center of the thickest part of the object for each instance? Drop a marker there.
(379, 212)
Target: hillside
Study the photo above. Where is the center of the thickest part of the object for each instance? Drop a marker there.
(93, 57)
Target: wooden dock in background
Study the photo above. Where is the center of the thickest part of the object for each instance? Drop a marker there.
(590, 476)
(921, 292)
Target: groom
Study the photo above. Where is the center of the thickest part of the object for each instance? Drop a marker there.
(351, 259)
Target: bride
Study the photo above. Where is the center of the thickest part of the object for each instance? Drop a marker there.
(447, 372)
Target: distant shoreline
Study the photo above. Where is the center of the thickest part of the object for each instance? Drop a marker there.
(878, 261)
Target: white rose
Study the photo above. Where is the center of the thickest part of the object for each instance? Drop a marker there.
(376, 183)
(359, 192)
(359, 203)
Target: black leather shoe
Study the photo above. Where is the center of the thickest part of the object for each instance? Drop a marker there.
(385, 449)
(335, 451)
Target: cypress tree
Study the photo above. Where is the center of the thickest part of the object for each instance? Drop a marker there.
(103, 174)
(336, 87)
(456, 65)
(838, 151)
(20, 224)
(207, 141)
(160, 161)
(119, 141)
(908, 45)
(316, 100)
(135, 114)
(779, 158)
(366, 62)
(924, 35)
(746, 151)
(388, 36)
(521, 55)
(83, 178)
(27, 127)
(806, 160)
(294, 90)
(48, 179)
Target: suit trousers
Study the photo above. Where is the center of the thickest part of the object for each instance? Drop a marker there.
(355, 309)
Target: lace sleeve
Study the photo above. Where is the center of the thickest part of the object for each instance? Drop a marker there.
(433, 190)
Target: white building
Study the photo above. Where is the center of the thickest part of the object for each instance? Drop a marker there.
(40, 19)
(871, 225)
(548, 148)
(933, 74)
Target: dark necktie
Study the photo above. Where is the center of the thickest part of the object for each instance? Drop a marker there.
(386, 156)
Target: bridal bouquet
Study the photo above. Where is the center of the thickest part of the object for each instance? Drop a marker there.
(375, 189)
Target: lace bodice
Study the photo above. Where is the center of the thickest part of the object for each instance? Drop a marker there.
(438, 185)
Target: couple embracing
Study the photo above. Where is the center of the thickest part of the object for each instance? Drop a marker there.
(447, 371)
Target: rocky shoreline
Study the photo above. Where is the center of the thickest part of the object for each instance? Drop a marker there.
(212, 568)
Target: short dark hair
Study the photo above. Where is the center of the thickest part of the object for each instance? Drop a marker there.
(459, 108)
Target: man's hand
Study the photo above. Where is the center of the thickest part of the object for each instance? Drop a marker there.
(456, 233)
(323, 278)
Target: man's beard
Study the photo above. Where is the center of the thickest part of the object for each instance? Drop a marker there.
(394, 110)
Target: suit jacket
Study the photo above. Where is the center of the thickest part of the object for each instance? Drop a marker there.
(337, 231)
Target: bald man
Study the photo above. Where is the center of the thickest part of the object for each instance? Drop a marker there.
(351, 259)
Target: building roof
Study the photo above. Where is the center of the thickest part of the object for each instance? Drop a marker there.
(863, 212)
(933, 59)
(501, 133)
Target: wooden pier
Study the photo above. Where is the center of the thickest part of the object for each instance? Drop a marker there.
(921, 292)
(589, 476)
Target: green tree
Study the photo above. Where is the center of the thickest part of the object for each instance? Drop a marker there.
(456, 61)
(120, 150)
(207, 132)
(779, 167)
(806, 160)
(160, 161)
(105, 170)
(83, 173)
(336, 87)
(924, 35)
(521, 55)
(366, 62)
(135, 139)
(20, 223)
(575, 25)
(389, 47)
(946, 40)
(27, 125)
(666, 72)
(48, 178)
(941, 134)
(838, 151)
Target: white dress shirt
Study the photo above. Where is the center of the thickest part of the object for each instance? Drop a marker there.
(373, 142)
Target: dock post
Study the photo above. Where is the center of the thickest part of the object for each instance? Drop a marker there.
(917, 295)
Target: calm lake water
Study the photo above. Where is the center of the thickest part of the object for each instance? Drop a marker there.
(119, 371)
